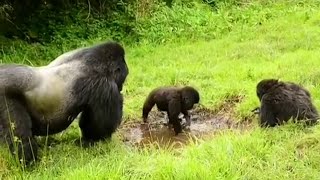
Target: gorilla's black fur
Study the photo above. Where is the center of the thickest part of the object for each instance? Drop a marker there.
(282, 101)
(40, 101)
(173, 100)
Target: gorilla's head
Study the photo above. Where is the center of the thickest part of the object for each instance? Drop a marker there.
(264, 86)
(190, 96)
(108, 59)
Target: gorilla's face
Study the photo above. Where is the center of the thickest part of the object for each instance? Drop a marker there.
(109, 59)
(260, 94)
(188, 103)
(120, 67)
(121, 72)
(190, 98)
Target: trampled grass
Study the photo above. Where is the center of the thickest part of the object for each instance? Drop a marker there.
(286, 47)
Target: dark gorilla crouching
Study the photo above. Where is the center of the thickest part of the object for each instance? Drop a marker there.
(45, 100)
(173, 100)
(282, 101)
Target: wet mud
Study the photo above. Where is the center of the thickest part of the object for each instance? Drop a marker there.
(205, 123)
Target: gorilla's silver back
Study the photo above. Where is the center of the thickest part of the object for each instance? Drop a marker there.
(53, 93)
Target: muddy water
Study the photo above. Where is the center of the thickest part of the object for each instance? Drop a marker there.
(156, 132)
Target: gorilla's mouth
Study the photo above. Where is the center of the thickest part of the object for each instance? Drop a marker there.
(256, 110)
(120, 88)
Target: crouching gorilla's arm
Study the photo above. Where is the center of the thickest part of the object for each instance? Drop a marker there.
(267, 118)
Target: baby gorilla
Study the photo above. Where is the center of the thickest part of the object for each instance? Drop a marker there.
(173, 100)
(281, 101)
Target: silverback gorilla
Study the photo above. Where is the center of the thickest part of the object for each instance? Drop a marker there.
(40, 101)
(173, 100)
(281, 101)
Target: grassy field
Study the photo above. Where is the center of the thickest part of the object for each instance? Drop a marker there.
(286, 46)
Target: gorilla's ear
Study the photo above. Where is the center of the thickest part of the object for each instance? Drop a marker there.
(117, 70)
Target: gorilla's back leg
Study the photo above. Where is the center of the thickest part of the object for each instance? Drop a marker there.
(15, 127)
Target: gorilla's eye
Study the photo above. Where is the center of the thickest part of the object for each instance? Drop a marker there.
(118, 70)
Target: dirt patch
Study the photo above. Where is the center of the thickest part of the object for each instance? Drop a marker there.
(204, 123)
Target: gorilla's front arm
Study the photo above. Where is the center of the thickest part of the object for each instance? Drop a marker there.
(267, 118)
(103, 111)
(174, 110)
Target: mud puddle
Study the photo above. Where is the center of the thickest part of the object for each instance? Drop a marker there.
(204, 123)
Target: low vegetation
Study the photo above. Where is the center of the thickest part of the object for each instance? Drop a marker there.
(223, 51)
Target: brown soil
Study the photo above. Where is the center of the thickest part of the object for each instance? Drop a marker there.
(204, 123)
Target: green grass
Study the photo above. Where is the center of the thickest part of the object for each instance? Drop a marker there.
(285, 47)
